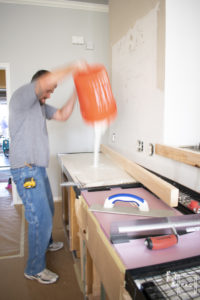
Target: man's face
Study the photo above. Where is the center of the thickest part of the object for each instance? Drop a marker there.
(46, 95)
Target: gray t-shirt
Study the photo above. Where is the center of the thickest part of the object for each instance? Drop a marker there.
(28, 131)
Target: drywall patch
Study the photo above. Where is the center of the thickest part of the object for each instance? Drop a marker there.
(134, 82)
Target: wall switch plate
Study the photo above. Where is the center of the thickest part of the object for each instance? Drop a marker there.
(77, 40)
(90, 45)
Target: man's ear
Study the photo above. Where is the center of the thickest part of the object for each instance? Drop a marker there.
(38, 89)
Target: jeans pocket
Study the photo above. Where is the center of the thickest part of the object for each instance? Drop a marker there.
(26, 195)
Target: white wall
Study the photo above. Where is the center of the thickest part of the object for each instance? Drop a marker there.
(36, 37)
(182, 88)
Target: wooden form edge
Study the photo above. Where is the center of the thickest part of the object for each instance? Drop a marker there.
(82, 206)
(183, 155)
(164, 190)
(88, 223)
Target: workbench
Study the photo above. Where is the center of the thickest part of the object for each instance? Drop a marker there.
(104, 265)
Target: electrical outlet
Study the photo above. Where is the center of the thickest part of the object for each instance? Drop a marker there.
(89, 45)
(140, 146)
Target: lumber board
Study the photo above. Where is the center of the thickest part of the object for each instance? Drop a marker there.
(179, 154)
(165, 191)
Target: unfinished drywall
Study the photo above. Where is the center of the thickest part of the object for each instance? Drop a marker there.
(36, 37)
(134, 82)
(137, 91)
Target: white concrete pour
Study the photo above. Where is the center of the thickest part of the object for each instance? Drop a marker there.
(81, 168)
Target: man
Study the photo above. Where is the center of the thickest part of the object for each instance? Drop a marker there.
(29, 157)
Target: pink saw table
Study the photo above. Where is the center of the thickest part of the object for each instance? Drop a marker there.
(134, 253)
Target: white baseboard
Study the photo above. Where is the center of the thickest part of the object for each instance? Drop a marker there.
(57, 199)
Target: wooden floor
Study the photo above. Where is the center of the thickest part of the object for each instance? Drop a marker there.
(14, 286)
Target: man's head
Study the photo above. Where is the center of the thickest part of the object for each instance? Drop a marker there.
(44, 88)
(38, 74)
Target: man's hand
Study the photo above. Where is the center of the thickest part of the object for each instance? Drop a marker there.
(80, 66)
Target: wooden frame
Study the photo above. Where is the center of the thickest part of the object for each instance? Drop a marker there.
(185, 156)
(74, 229)
(69, 218)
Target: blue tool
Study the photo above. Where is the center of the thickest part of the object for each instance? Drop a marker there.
(125, 197)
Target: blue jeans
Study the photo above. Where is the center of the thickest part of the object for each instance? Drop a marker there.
(39, 210)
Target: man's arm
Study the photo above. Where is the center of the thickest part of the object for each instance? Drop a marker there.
(50, 80)
(64, 113)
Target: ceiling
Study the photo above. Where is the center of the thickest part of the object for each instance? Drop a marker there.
(59, 2)
(93, 1)
(96, 5)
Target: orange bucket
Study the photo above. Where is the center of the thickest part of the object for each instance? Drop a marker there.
(95, 94)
